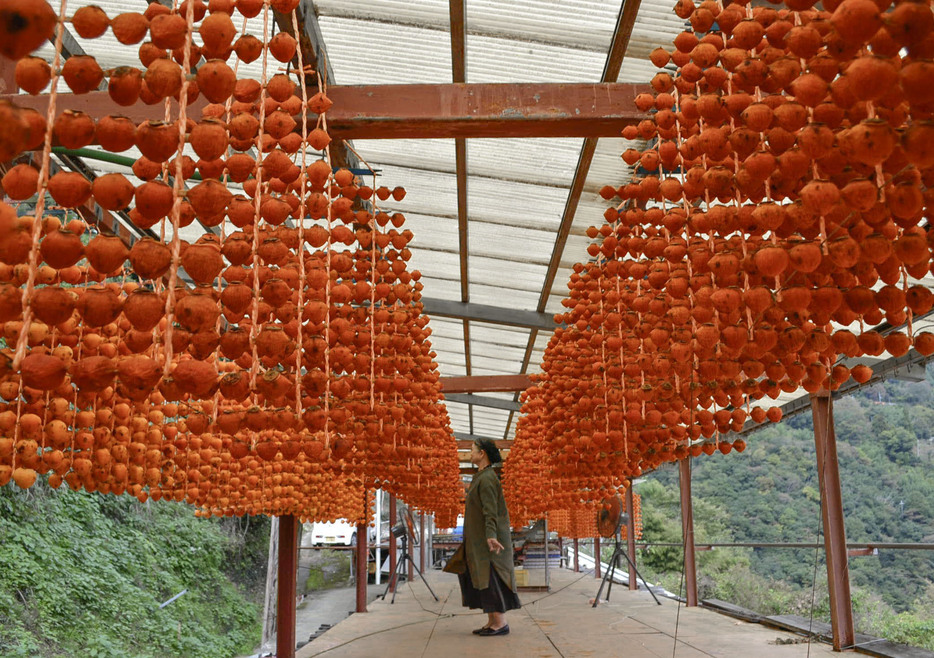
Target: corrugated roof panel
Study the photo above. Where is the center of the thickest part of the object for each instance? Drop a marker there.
(514, 203)
(505, 297)
(508, 274)
(518, 245)
(432, 154)
(491, 59)
(548, 161)
(498, 335)
(445, 327)
(427, 192)
(368, 53)
(500, 362)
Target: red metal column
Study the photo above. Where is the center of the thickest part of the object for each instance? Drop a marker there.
(596, 557)
(421, 545)
(838, 572)
(577, 566)
(363, 551)
(392, 540)
(687, 532)
(411, 549)
(631, 537)
(288, 562)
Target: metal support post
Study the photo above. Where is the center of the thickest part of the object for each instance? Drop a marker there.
(838, 574)
(410, 575)
(392, 539)
(631, 537)
(547, 557)
(687, 533)
(379, 533)
(596, 557)
(577, 564)
(288, 561)
(360, 577)
(421, 545)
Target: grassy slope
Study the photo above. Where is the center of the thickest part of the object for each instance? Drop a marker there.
(84, 574)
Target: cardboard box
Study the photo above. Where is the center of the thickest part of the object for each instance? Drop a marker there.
(522, 577)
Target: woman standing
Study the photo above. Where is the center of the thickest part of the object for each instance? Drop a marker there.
(489, 581)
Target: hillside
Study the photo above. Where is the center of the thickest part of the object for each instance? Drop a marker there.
(770, 493)
(83, 574)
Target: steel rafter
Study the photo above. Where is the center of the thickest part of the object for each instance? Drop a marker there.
(445, 308)
(480, 401)
(458, 11)
(433, 111)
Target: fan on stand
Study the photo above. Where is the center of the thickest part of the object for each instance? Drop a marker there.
(610, 520)
(404, 530)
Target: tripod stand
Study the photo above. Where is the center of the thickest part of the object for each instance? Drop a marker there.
(611, 571)
(400, 569)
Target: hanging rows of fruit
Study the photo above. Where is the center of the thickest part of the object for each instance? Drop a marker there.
(777, 222)
(277, 364)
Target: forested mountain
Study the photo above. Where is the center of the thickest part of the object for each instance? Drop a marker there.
(770, 493)
(84, 574)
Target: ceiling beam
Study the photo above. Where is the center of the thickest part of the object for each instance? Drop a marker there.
(429, 111)
(98, 104)
(461, 436)
(614, 61)
(485, 384)
(458, 14)
(465, 444)
(492, 403)
(445, 308)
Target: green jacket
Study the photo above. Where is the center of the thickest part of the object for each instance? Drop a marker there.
(485, 515)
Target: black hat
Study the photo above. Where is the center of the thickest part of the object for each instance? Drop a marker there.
(489, 447)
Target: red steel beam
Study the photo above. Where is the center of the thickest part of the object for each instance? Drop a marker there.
(360, 576)
(838, 574)
(483, 110)
(288, 562)
(687, 530)
(393, 520)
(98, 104)
(430, 111)
(485, 383)
(631, 538)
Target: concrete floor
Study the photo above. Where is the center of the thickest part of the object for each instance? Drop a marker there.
(558, 623)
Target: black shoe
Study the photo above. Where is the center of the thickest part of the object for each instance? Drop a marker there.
(478, 631)
(494, 631)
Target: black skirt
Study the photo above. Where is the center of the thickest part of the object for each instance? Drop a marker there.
(495, 598)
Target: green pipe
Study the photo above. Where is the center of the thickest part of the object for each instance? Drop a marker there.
(103, 156)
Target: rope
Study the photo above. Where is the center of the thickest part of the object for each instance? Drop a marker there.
(42, 187)
(177, 189)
